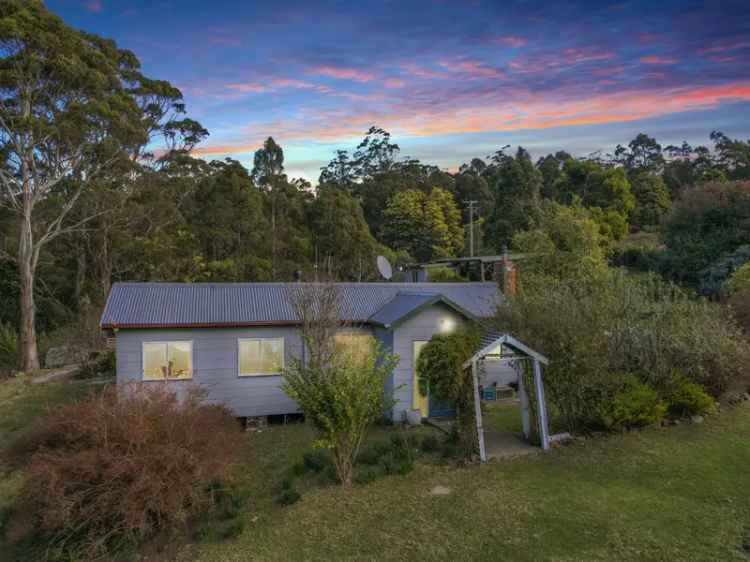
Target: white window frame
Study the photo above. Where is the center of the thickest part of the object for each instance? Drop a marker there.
(261, 340)
(166, 343)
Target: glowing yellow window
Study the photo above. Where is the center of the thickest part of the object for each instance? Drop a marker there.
(167, 360)
(359, 345)
(261, 356)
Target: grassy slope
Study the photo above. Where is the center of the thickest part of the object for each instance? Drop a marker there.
(673, 494)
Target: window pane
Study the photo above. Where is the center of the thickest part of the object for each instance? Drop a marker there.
(154, 361)
(359, 345)
(272, 357)
(249, 357)
(179, 360)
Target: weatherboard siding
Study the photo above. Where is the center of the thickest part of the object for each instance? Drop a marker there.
(215, 366)
(420, 327)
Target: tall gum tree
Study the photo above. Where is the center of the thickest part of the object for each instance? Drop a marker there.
(71, 105)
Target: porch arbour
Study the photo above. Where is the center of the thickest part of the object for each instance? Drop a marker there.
(489, 344)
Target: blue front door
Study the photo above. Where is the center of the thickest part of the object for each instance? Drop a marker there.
(441, 409)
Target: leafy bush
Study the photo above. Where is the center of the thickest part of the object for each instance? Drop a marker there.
(341, 399)
(123, 466)
(635, 404)
(288, 496)
(440, 368)
(316, 460)
(395, 456)
(430, 444)
(369, 473)
(685, 398)
(740, 305)
(226, 520)
(739, 282)
(594, 330)
(98, 364)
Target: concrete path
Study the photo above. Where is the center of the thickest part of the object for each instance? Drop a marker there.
(504, 444)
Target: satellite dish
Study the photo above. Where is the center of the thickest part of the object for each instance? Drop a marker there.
(384, 267)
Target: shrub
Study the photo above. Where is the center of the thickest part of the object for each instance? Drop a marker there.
(339, 390)
(685, 398)
(368, 473)
(634, 405)
(121, 467)
(594, 330)
(430, 444)
(740, 305)
(440, 368)
(226, 519)
(97, 364)
(288, 496)
(739, 281)
(341, 399)
(316, 460)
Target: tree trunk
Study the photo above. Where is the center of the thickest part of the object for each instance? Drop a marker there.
(26, 270)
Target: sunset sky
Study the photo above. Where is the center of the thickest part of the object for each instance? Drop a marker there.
(450, 79)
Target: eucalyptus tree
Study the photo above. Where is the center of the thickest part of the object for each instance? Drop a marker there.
(72, 105)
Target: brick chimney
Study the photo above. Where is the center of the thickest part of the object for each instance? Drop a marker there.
(505, 274)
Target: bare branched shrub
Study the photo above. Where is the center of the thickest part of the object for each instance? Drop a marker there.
(319, 310)
(123, 466)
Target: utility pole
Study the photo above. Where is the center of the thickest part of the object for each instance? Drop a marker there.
(471, 204)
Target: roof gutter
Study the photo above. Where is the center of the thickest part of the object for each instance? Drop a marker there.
(266, 323)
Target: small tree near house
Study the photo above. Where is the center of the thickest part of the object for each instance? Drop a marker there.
(340, 390)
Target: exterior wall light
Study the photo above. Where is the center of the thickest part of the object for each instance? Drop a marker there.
(447, 325)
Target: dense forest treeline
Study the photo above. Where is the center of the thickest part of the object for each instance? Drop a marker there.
(84, 203)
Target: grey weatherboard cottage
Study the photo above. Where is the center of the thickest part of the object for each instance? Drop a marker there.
(232, 339)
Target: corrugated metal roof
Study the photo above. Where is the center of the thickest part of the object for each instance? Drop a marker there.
(143, 305)
(399, 306)
(405, 304)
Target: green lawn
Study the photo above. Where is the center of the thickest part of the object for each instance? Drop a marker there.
(679, 493)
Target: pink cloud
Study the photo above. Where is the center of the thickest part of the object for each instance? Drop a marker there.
(421, 71)
(554, 61)
(93, 6)
(723, 59)
(576, 56)
(608, 71)
(273, 84)
(511, 40)
(394, 83)
(521, 110)
(656, 59)
(474, 68)
(343, 73)
(252, 87)
(723, 48)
